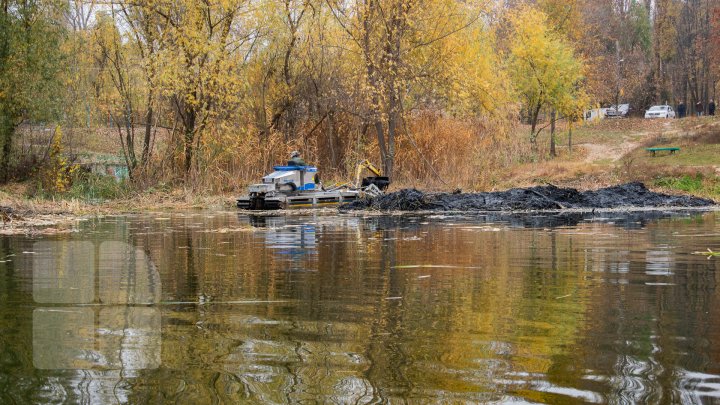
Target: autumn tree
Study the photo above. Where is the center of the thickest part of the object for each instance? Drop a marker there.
(694, 60)
(201, 70)
(394, 39)
(545, 71)
(714, 47)
(123, 92)
(146, 32)
(29, 72)
(617, 45)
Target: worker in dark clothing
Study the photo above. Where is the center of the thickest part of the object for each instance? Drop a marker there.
(296, 160)
(681, 109)
(699, 108)
(711, 107)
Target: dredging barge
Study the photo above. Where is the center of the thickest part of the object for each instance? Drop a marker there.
(298, 185)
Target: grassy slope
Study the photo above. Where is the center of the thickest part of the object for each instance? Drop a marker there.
(613, 151)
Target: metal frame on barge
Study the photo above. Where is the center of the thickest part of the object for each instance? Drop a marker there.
(294, 186)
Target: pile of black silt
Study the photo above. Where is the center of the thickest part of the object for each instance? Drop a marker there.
(548, 197)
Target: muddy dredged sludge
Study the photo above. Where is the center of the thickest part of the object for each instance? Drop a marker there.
(630, 195)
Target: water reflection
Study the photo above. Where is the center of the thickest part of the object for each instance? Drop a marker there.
(292, 240)
(63, 273)
(81, 337)
(216, 307)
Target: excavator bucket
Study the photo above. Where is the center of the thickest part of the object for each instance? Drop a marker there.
(381, 182)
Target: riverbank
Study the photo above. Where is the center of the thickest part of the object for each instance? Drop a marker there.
(20, 214)
(604, 154)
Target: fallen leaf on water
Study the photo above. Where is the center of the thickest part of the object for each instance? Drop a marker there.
(439, 266)
(227, 230)
(709, 253)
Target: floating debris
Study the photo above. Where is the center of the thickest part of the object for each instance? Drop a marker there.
(437, 266)
(230, 230)
(709, 253)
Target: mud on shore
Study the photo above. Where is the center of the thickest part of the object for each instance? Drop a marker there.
(548, 197)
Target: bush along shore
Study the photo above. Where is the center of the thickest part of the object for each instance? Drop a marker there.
(549, 197)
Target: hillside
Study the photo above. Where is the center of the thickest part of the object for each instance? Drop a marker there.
(613, 151)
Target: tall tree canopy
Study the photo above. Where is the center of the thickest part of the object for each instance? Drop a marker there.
(232, 85)
(545, 71)
(29, 68)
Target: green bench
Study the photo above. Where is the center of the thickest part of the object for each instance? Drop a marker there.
(670, 149)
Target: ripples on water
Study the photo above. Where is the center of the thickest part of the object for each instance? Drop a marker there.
(219, 307)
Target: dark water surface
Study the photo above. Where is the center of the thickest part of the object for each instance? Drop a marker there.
(197, 308)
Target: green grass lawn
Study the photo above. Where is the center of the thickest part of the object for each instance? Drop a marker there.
(688, 155)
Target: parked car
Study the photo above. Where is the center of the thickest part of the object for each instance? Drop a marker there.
(594, 114)
(619, 111)
(660, 111)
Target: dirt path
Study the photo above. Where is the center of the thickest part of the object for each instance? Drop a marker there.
(616, 151)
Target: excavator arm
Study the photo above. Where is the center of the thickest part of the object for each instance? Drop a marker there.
(378, 180)
(365, 164)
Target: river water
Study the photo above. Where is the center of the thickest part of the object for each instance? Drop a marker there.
(221, 307)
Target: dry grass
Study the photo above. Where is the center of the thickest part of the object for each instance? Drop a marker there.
(13, 195)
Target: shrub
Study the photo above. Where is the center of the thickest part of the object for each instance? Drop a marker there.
(56, 174)
(95, 187)
(690, 184)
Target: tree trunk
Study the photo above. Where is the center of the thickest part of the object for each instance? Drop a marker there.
(288, 104)
(380, 131)
(533, 125)
(331, 138)
(188, 149)
(148, 132)
(372, 75)
(533, 137)
(389, 162)
(130, 143)
(570, 137)
(553, 152)
(189, 137)
(6, 134)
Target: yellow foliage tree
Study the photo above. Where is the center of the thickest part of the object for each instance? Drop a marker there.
(546, 72)
(201, 66)
(409, 53)
(56, 174)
